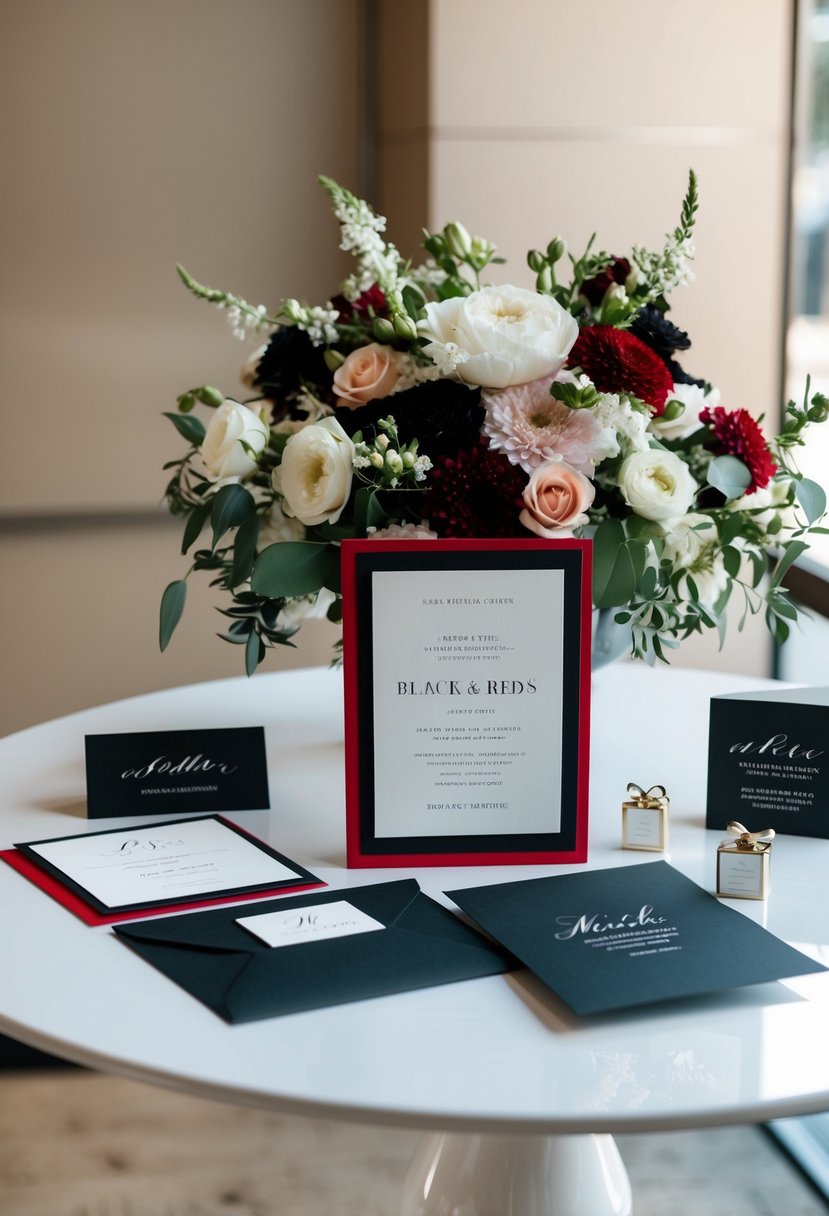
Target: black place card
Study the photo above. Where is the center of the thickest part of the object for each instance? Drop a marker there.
(613, 939)
(176, 771)
(767, 761)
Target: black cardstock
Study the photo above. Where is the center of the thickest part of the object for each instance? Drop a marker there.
(242, 979)
(768, 761)
(614, 939)
(176, 771)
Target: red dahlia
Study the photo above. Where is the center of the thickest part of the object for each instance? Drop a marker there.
(618, 362)
(738, 434)
(475, 493)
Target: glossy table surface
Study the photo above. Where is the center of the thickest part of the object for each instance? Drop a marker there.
(491, 1054)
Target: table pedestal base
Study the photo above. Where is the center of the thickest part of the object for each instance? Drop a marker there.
(458, 1175)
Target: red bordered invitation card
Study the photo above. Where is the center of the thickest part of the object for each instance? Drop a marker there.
(467, 704)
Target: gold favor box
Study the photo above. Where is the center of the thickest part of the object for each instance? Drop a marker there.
(645, 819)
(744, 864)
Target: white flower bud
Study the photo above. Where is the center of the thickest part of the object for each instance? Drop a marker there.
(458, 240)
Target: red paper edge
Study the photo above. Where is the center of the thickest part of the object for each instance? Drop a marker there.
(74, 904)
(355, 858)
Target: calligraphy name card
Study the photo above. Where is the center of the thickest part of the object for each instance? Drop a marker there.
(767, 760)
(176, 771)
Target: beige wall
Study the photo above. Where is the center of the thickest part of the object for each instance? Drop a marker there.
(138, 135)
(533, 118)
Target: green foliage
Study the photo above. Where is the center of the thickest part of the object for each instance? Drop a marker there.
(192, 429)
(295, 568)
(172, 606)
(812, 498)
(232, 506)
(729, 475)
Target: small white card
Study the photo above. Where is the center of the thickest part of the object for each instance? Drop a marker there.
(313, 922)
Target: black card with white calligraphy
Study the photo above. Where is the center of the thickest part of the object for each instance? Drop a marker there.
(767, 761)
(176, 771)
(613, 939)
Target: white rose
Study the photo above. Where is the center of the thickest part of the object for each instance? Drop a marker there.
(499, 336)
(233, 429)
(316, 471)
(304, 608)
(768, 502)
(694, 399)
(277, 527)
(656, 484)
(695, 549)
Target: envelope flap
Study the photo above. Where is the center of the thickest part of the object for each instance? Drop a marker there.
(217, 929)
(217, 934)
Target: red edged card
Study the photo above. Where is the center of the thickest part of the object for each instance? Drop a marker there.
(467, 701)
(20, 862)
(64, 877)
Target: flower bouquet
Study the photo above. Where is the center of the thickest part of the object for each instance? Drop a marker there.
(421, 402)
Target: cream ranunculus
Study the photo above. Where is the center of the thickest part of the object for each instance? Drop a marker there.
(692, 545)
(657, 485)
(498, 336)
(314, 478)
(232, 431)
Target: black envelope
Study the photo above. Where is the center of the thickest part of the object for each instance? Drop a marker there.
(242, 979)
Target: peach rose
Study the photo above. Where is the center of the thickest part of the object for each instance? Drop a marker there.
(556, 498)
(368, 373)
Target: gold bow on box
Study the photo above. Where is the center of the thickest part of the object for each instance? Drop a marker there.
(743, 860)
(645, 831)
(741, 840)
(651, 799)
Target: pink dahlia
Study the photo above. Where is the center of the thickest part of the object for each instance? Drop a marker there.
(738, 434)
(531, 428)
(619, 362)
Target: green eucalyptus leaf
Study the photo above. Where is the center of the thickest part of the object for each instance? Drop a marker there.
(812, 498)
(194, 525)
(291, 568)
(254, 652)
(614, 575)
(647, 583)
(729, 475)
(244, 550)
(191, 428)
(732, 560)
(731, 527)
(790, 555)
(232, 505)
(172, 606)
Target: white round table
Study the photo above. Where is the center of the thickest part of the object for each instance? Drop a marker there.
(512, 1087)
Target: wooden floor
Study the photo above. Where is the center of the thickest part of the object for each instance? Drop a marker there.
(80, 1144)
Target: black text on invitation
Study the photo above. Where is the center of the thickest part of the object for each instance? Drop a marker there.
(468, 710)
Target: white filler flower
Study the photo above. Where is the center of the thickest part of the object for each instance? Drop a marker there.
(499, 335)
(657, 485)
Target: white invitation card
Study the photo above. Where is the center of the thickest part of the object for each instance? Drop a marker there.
(471, 708)
(164, 863)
